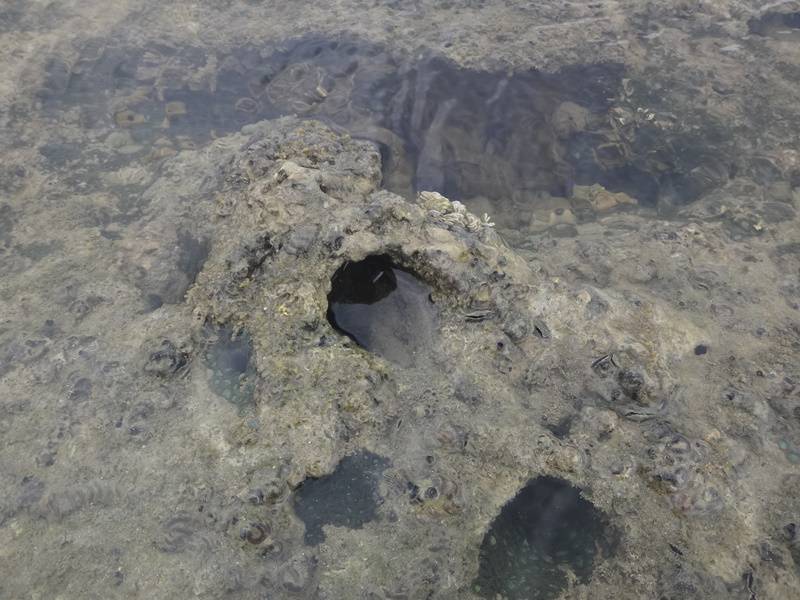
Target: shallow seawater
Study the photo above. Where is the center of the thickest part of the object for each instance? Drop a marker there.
(545, 532)
(348, 497)
(784, 25)
(231, 372)
(186, 404)
(511, 144)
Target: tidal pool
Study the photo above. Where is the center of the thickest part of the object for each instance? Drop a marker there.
(347, 497)
(545, 532)
(506, 143)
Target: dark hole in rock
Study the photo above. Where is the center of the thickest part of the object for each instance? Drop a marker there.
(501, 142)
(229, 359)
(562, 427)
(383, 308)
(348, 497)
(545, 530)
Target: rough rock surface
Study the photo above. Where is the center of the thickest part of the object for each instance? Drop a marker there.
(168, 377)
(530, 373)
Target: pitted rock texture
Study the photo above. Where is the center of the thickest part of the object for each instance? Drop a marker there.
(572, 358)
(474, 417)
(139, 461)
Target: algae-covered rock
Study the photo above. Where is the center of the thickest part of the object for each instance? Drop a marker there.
(291, 315)
(599, 198)
(327, 392)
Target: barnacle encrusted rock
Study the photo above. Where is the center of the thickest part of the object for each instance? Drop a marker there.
(305, 201)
